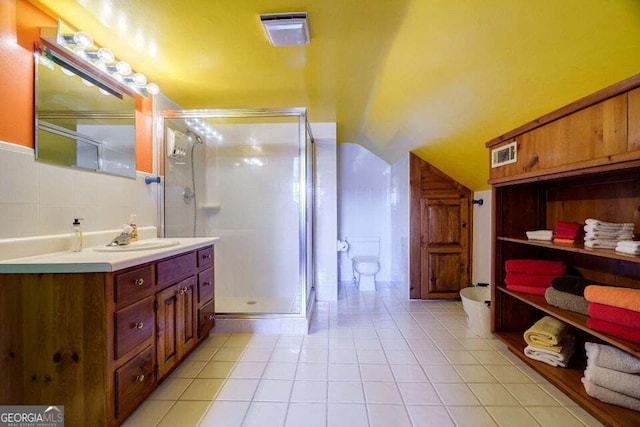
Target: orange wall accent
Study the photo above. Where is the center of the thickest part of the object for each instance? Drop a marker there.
(20, 23)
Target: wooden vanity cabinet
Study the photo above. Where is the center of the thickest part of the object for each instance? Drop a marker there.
(99, 343)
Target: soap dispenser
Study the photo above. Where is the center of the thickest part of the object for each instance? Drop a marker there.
(76, 238)
(134, 228)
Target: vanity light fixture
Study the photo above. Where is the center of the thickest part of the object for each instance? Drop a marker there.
(81, 44)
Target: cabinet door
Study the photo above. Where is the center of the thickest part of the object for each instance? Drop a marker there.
(166, 318)
(445, 247)
(187, 321)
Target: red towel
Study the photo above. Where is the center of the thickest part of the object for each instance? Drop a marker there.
(535, 266)
(519, 279)
(624, 332)
(534, 290)
(565, 227)
(615, 315)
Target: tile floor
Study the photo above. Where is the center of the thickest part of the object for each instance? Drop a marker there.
(370, 359)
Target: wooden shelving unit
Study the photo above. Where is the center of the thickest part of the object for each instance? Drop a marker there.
(580, 162)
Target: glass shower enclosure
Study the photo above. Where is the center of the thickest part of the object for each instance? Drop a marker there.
(244, 176)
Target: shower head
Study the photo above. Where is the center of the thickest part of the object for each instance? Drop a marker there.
(194, 137)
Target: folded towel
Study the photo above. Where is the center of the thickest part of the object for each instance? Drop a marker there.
(540, 235)
(567, 301)
(626, 251)
(613, 329)
(568, 227)
(617, 236)
(598, 223)
(519, 279)
(609, 396)
(535, 266)
(620, 316)
(571, 284)
(533, 290)
(600, 244)
(631, 244)
(612, 295)
(607, 356)
(564, 240)
(621, 382)
(588, 229)
(551, 357)
(547, 333)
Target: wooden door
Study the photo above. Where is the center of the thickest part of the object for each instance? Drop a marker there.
(440, 230)
(444, 240)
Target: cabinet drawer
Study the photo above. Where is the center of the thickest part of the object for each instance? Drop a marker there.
(133, 382)
(205, 257)
(205, 286)
(133, 325)
(175, 268)
(206, 319)
(133, 285)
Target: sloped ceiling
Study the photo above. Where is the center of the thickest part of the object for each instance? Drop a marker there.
(436, 77)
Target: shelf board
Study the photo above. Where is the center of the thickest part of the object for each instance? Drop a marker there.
(576, 320)
(568, 381)
(576, 247)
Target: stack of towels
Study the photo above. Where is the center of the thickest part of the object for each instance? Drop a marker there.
(567, 292)
(628, 247)
(567, 232)
(549, 341)
(532, 276)
(545, 235)
(614, 311)
(606, 235)
(612, 376)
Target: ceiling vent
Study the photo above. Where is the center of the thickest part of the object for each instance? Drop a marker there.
(286, 29)
(504, 155)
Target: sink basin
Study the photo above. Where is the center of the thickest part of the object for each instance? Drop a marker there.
(141, 245)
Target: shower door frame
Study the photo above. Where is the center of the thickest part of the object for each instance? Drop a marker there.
(306, 185)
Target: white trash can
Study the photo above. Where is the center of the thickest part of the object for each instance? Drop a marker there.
(476, 310)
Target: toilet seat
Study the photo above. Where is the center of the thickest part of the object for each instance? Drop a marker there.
(366, 265)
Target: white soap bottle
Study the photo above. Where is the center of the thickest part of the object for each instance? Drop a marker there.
(76, 238)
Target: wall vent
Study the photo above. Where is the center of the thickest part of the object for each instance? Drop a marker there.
(504, 155)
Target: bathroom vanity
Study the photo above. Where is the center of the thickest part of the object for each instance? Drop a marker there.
(97, 331)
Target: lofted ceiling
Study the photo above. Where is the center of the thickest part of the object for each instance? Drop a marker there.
(436, 77)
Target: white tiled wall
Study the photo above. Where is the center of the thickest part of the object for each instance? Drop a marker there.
(363, 203)
(482, 232)
(399, 205)
(41, 199)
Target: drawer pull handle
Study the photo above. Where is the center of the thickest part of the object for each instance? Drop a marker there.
(184, 291)
(210, 317)
(139, 325)
(207, 256)
(139, 281)
(140, 378)
(206, 284)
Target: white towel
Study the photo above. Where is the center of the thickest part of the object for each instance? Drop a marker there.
(609, 396)
(610, 357)
(627, 251)
(540, 235)
(552, 358)
(630, 244)
(600, 244)
(607, 229)
(622, 382)
(598, 223)
(594, 235)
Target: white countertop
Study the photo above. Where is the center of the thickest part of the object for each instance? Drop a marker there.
(90, 261)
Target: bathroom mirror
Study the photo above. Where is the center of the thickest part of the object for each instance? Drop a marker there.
(81, 122)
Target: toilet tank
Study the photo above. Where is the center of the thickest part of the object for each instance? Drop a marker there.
(363, 246)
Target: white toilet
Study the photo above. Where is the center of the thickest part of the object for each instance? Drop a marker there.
(364, 253)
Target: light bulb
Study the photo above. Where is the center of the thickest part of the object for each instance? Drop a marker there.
(87, 83)
(83, 39)
(106, 55)
(80, 52)
(139, 79)
(67, 71)
(153, 89)
(100, 64)
(123, 68)
(104, 92)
